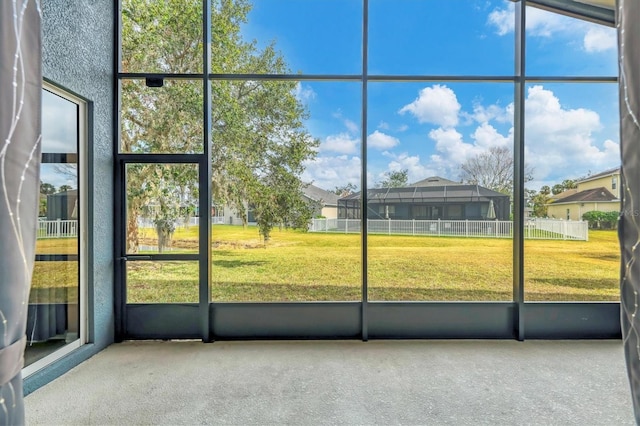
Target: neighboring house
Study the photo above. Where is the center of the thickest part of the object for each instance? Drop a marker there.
(324, 203)
(429, 199)
(599, 192)
(62, 205)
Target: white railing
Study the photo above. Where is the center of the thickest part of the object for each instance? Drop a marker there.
(57, 228)
(548, 229)
(145, 222)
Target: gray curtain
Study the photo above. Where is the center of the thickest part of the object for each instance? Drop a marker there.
(629, 228)
(20, 109)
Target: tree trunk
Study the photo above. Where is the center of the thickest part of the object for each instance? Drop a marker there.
(20, 122)
(133, 238)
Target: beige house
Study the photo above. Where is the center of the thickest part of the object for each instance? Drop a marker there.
(599, 192)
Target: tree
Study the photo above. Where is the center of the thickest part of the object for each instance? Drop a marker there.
(565, 185)
(64, 188)
(539, 203)
(259, 139)
(344, 190)
(47, 188)
(492, 169)
(395, 179)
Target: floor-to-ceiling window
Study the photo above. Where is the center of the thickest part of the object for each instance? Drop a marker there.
(289, 163)
(56, 316)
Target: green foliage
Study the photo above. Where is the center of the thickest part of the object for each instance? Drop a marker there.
(344, 190)
(601, 220)
(47, 188)
(396, 179)
(259, 140)
(539, 203)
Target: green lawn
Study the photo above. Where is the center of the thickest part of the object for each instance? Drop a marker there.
(298, 266)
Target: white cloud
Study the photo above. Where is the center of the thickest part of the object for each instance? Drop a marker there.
(351, 126)
(304, 93)
(483, 114)
(436, 105)
(503, 20)
(341, 143)
(416, 170)
(559, 139)
(327, 172)
(600, 39)
(383, 125)
(379, 140)
(403, 128)
(541, 23)
(486, 136)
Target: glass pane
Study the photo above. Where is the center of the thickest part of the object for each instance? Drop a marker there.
(283, 154)
(563, 46)
(162, 282)
(163, 120)
(162, 208)
(288, 36)
(53, 315)
(572, 148)
(161, 36)
(440, 169)
(416, 37)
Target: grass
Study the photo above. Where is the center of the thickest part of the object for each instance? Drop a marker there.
(298, 266)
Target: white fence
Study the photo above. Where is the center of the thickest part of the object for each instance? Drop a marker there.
(57, 228)
(547, 229)
(541, 229)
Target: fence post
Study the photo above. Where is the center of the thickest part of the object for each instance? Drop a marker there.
(346, 225)
(58, 226)
(389, 227)
(466, 227)
(413, 227)
(438, 227)
(564, 230)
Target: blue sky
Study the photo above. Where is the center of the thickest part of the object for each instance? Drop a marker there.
(431, 128)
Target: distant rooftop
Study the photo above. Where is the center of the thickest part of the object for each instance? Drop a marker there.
(590, 195)
(434, 181)
(320, 195)
(609, 172)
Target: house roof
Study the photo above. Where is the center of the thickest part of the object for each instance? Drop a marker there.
(563, 194)
(314, 193)
(434, 181)
(440, 193)
(590, 195)
(614, 171)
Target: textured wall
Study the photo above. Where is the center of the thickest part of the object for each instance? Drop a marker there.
(78, 55)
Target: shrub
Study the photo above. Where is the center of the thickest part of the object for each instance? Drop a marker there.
(601, 220)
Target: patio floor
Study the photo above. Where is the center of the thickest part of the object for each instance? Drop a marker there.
(342, 382)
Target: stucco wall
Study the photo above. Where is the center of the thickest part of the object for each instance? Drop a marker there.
(78, 56)
(605, 181)
(576, 210)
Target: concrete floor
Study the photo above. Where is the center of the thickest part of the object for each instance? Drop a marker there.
(342, 382)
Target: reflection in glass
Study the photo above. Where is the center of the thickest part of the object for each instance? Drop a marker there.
(281, 160)
(53, 315)
(161, 36)
(162, 282)
(435, 37)
(162, 214)
(440, 168)
(164, 120)
(574, 191)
